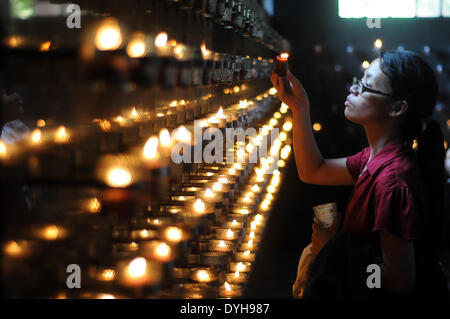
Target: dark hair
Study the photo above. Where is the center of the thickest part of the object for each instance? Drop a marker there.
(411, 78)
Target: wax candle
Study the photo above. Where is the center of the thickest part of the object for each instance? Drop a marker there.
(227, 234)
(220, 245)
(235, 277)
(240, 266)
(157, 250)
(230, 291)
(139, 272)
(245, 256)
(204, 275)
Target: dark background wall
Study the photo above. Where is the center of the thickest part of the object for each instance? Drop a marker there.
(319, 58)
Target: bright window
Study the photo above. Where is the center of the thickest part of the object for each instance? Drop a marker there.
(428, 8)
(394, 8)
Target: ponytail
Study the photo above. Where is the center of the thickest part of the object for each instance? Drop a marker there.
(431, 156)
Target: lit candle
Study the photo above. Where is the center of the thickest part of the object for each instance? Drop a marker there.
(224, 246)
(35, 137)
(235, 277)
(50, 232)
(143, 234)
(227, 234)
(17, 249)
(157, 250)
(230, 291)
(234, 224)
(240, 266)
(204, 275)
(174, 234)
(245, 256)
(281, 67)
(109, 36)
(199, 207)
(61, 135)
(139, 272)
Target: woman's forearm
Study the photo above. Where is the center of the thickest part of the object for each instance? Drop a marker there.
(307, 154)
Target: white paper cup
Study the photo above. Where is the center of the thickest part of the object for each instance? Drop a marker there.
(325, 214)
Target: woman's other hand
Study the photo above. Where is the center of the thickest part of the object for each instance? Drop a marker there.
(321, 236)
(290, 90)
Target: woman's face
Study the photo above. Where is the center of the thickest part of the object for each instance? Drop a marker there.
(369, 108)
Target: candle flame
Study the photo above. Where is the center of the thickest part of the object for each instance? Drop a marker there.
(118, 177)
(243, 104)
(230, 233)
(183, 135)
(244, 211)
(203, 275)
(108, 275)
(94, 205)
(61, 135)
(162, 250)
(217, 187)
(12, 249)
(247, 252)
(45, 46)
(236, 274)
(134, 114)
(250, 243)
(161, 40)
(240, 266)
(234, 223)
(209, 193)
(220, 113)
(222, 244)
(151, 148)
(104, 125)
(2, 149)
(40, 123)
(237, 166)
(36, 136)
(255, 188)
(109, 36)
(136, 48)
(199, 206)
(284, 56)
(137, 267)
(174, 234)
(227, 286)
(252, 234)
(205, 52)
(164, 137)
(50, 232)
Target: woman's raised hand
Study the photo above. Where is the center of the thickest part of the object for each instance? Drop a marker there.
(290, 90)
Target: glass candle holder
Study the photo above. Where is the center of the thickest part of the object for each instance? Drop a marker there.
(241, 266)
(227, 234)
(246, 255)
(223, 246)
(236, 277)
(139, 272)
(233, 224)
(157, 250)
(230, 290)
(205, 275)
(212, 258)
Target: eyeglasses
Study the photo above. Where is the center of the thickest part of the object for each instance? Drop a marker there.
(361, 88)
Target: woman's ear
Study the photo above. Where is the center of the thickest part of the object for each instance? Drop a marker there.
(398, 108)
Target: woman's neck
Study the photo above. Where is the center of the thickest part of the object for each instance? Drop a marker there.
(378, 138)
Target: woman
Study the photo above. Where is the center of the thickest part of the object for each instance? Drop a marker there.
(397, 196)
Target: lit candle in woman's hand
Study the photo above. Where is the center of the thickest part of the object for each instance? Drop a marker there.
(281, 67)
